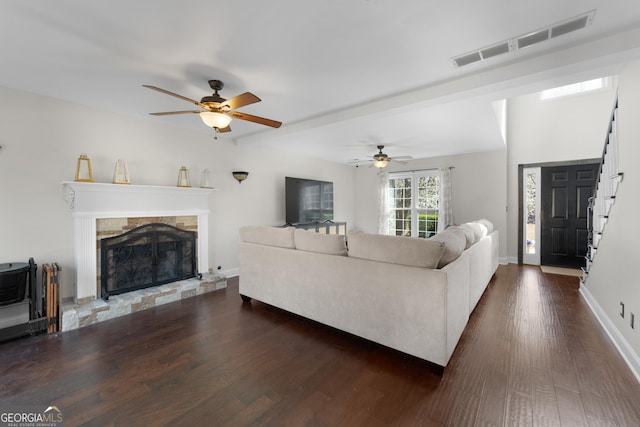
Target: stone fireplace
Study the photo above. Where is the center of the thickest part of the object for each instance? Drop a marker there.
(102, 210)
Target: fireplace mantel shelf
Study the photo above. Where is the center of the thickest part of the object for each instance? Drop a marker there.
(71, 188)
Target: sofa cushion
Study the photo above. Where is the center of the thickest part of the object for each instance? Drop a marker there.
(270, 236)
(402, 250)
(479, 230)
(468, 234)
(332, 244)
(454, 244)
(487, 224)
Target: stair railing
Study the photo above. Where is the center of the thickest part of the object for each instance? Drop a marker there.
(609, 178)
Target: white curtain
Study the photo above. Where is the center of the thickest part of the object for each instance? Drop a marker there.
(445, 214)
(383, 203)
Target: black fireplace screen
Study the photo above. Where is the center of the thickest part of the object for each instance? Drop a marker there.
(146, 256)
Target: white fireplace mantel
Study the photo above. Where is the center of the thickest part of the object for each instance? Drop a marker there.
(90, 201)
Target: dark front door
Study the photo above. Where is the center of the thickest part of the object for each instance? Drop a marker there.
(565, 197)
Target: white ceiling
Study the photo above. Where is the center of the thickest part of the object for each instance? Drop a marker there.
(343, 76)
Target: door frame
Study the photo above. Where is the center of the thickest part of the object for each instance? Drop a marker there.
(521, 168)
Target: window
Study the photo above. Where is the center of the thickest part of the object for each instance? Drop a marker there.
(413, 200)
(575, 89)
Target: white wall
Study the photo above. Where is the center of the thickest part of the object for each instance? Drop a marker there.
(42, 138)
(479, 190)
(613, 277)
(562, 129)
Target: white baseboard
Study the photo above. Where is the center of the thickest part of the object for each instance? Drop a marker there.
(625, 350)
(232, 272)
(503, 260)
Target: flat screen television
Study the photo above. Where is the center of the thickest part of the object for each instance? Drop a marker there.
(308, 200)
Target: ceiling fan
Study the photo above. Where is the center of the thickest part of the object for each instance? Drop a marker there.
(380, 160)
(216, 111)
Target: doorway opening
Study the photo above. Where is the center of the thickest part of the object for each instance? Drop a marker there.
(536, 229)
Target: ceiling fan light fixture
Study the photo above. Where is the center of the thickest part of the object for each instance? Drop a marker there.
(215, 120)
(380, 164)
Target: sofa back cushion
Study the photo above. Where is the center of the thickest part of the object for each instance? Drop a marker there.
(410, 251)
(488, 224)
(455, 243)
(468, 234)
(281, 237)
(332, 244)
(479, 230)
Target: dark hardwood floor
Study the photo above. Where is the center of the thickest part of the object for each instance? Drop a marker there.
(532, 354)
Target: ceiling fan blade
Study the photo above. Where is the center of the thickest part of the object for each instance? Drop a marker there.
(255, 119)
(227, 129)
(358, 162)
(184, 98)
(395, 160)
(402, 158)
(236, 102)
(168, 113)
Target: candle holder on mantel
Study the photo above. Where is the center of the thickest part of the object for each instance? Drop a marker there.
(121, 174)
(205, 179)
(183, 177)
(83, 170)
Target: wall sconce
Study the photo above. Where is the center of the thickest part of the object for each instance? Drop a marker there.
(240, 176)
(121, 174)
(183, 177)
(83, 170)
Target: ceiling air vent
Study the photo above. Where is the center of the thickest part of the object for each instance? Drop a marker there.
(466, 59)
(532, 38)
(482, 54)
(499, 49)
(525, 40)
(572, 25)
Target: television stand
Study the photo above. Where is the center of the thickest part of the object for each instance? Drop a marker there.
(324, 227)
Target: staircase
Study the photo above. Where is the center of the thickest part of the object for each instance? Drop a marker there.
(609, 178)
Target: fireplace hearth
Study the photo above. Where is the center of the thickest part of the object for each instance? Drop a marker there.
(149, 255)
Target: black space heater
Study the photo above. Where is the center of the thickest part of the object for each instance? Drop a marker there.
(21, 301)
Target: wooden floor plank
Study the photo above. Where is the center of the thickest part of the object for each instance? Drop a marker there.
(532, 354)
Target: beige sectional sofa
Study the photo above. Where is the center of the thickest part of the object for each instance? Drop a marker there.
(413, 295)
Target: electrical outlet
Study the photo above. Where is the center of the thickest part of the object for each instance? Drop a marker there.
(621, 309)
(632, 320)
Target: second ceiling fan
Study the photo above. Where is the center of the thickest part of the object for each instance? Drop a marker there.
(380, 160)
(216, 111)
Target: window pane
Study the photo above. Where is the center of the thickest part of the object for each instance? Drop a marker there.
(531, 213)
(400, 206)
